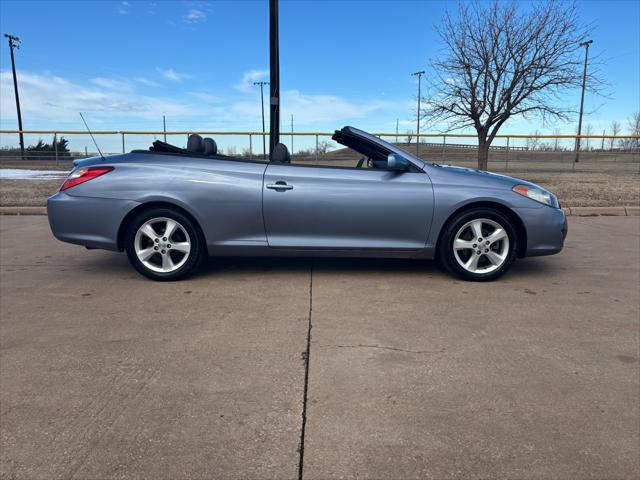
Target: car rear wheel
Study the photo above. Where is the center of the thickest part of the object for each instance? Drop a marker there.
(478, 245)
(163, 244)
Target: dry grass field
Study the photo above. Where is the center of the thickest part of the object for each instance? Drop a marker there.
(599, 179)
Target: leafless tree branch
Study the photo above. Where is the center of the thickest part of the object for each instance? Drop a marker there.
(502, 61)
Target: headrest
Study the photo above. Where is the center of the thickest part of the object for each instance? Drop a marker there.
(280, 154)
(195, 144)
(210, 147)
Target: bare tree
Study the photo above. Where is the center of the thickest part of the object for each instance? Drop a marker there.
(323, 147)
(588, 131)
(501, 62)
(557, 133)
(615, 131)
(533, 143)
(409, 135)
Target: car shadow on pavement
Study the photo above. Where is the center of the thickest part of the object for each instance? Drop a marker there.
(215, 265)
(111, 264)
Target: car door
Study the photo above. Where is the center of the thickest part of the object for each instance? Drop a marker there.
(343, 208)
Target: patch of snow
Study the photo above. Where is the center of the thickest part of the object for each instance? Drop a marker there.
(27, 174)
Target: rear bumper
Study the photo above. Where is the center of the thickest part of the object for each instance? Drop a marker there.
(546, 230)
(89, 221)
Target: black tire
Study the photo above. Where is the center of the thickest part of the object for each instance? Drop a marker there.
(447, 256)
(194, 258)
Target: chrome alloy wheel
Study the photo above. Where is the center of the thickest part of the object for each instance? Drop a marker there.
(162, 244)
(481, 246)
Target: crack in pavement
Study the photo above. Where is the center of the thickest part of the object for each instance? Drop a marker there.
(306, 359)
(388, 348)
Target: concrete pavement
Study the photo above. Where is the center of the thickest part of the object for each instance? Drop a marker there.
(411, 374)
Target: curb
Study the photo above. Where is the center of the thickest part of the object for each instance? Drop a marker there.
(570, 211)
(602, 211)
(23, 210)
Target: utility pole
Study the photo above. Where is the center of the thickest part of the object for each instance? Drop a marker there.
(264, 142)
(419, 75)
(584, 82)
(164, 128)
(14, 42)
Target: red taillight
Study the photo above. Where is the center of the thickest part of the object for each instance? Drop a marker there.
(84, 175)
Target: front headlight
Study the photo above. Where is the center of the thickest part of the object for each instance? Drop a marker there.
(537, 194)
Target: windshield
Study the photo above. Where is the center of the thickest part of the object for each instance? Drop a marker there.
(359, 140)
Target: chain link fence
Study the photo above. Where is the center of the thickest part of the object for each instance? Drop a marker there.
(513, 153)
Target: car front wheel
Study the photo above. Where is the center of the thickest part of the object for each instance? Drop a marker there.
(479, 244)
(163, 244)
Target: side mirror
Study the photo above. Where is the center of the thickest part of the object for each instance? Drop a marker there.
(397, 163)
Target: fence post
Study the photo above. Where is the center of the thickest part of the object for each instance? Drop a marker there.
(250, 147)
(316, 148)
(444, 144)
(507, 163)
(122, 133)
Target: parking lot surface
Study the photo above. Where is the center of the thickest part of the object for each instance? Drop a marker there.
(410, 373)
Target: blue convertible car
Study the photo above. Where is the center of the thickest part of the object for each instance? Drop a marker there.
(169, 207)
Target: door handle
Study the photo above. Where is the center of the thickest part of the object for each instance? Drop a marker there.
(279, 186)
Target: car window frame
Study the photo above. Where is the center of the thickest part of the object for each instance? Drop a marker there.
(367, 146)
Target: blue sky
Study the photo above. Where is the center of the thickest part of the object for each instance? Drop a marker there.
(125, 63)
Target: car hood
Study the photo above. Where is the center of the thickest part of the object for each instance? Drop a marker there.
(479, 177)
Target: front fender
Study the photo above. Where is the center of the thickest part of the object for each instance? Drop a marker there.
(452, 199)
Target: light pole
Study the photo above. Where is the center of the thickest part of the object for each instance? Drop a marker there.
(14, 42)
(264, 142)
(584, 82)
(274, 80)
(419, 75)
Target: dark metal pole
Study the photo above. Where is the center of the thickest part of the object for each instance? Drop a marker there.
(584, 82)
(264, 142)
(164, 128)
(274, 70)
(419, 75)
(15, 42)
(292, 134)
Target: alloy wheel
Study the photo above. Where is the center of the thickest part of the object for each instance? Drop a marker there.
(481, 246)
(162, 244)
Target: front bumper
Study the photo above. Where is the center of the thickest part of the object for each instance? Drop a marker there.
(89, 221)
(546, 230)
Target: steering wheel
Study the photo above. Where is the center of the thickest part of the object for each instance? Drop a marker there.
(360, 162)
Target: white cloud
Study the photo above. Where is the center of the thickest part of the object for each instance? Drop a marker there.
(147, 82)
(51, 101)
(246, 83)
(112, 84)
(124, 8)
(309, 109)
(171, 74)
(194, 16)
